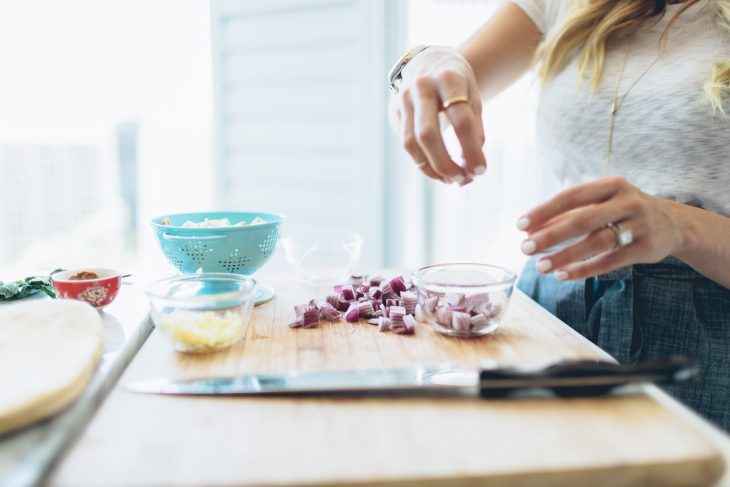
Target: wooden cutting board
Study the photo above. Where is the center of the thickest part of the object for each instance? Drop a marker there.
(142, 440)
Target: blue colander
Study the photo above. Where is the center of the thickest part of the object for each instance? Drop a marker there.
(237, 250)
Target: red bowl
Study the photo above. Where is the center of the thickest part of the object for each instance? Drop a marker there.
(98, 292)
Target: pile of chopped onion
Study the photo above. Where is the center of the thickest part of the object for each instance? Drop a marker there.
(391, 305)
(462, 313)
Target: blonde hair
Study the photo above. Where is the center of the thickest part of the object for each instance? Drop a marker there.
(592, 23)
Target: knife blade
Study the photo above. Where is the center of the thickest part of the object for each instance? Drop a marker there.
(568, 378)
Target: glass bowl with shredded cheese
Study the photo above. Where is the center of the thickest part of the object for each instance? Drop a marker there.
(202, 312)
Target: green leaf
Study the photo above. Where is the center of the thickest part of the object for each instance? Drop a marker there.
(26, 287)
(9, 291)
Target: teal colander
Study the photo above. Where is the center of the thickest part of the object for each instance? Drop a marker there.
(237, 250)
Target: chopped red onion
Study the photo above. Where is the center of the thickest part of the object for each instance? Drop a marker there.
(347, 293)
(476, 302)
(333, 299)
(329, 313)
(454, 299)
(479, 321)
(460, 321)
(384, 324)
(410, 323)
(398, 285)
(356, 280)
(366, 309)
(443, 316)
(296, 324)
(311, 317)
(409, 300)
(353, 313)
(299, 309)
(429, 305)
(396, 314)
(494, 310)
(388, 304)
(376, 280)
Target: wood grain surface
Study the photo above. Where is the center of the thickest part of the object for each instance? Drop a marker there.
(145, 440)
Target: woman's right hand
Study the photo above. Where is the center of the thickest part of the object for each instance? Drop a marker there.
(435, 75)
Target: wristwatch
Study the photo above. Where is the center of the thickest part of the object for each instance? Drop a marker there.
(394, 75)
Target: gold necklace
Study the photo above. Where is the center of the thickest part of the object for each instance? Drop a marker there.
(617, 103)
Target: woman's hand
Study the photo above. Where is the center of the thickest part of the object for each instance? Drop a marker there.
(428, 80)
(652, 224)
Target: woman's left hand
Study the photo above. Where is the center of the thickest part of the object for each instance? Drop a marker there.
(645, 231)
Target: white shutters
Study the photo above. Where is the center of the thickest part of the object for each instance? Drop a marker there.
(300, 113)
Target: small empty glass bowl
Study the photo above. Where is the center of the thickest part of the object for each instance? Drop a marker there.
(202, 312)
(464, 300)
(322, 258)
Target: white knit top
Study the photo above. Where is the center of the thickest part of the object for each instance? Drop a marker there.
(667, 141)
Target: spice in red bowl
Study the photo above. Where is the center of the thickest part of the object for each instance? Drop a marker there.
(81, 284)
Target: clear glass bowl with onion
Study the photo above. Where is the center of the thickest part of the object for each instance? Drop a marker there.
(202, 312)
(464, 299)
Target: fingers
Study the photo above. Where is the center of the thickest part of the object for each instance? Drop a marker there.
(575, 197)
(410, 144)
(428, 135)
(602, 263)
(467, 125)
(575, 224)
(601, 240)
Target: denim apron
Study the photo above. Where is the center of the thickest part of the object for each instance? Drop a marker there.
(648, 311)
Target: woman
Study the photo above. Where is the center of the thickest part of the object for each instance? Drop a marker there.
(635, 253)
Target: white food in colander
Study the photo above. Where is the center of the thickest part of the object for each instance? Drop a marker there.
(223, 222)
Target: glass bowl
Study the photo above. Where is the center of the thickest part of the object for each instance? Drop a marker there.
(202, 312)
(464, 300)
(322, 258)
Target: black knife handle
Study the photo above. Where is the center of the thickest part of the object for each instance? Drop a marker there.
(585, 377)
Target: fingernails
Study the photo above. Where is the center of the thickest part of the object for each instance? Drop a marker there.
(459, 178)
(544, 265)
(467, 181)
(479, 170)
(528, 246)
(523, 223)
(561, 275)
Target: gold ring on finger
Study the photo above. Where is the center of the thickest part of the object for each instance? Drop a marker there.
(422, 163)
(624, 237)
(454, 100)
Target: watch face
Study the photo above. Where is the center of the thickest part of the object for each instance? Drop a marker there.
(394, 75)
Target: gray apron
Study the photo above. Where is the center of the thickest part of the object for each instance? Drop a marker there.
(647, 311)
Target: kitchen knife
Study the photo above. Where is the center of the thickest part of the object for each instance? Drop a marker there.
(569, 378)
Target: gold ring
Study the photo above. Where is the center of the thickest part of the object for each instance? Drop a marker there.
(454, 100)
(422, 163)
